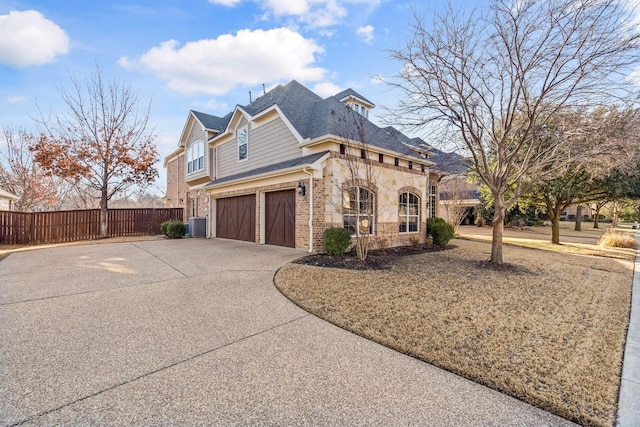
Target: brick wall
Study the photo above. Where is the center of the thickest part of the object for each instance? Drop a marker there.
(176, 187)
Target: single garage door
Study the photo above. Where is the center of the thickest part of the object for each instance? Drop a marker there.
(280, 218)
(236, 218)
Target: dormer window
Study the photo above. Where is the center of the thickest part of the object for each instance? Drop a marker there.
(361, 109)
(195, 157)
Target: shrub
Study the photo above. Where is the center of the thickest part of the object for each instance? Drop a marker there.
(175, 229)
(440, 231)
(164, 225)
(617, 239)
(336, 240)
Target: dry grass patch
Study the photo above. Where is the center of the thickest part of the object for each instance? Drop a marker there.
(549, 331)
(618, 239)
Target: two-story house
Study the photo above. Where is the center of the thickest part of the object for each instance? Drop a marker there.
(290, 164)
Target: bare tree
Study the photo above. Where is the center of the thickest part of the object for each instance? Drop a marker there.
(102, 140)
(21, 176)
(357, 200)
(493, 78)
(609, 136)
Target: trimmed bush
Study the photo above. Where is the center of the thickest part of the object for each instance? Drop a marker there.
(336, 240)
(440, 231)
(174, 229)
(164, 225)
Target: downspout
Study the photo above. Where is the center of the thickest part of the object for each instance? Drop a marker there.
(310, 208)
(208, 216)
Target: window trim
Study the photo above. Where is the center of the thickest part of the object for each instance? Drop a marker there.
(195, 157)
(404, 219)
(433, 201)
(239, 132)
(358, 215)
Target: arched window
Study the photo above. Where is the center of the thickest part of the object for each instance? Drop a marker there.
(408, 213)
(195, 157)
(358, 208)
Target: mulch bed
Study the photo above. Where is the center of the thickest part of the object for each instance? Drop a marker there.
(378, 259)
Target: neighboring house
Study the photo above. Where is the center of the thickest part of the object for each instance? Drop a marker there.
(7, 200)
(459, 199)
(569, 214)
(276, 171)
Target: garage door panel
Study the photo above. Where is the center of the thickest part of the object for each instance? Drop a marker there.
(236, 218)
(280, 214)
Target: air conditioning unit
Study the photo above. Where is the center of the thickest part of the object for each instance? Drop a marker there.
(198, 226)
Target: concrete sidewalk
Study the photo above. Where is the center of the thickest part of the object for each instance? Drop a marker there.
(629, 400)
(193, 332)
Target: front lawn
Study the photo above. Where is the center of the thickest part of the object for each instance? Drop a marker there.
(549, 329)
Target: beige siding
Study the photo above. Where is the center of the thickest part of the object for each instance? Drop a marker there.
(198, 134)
(268, 144)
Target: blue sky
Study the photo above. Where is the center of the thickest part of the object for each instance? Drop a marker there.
(204, 55)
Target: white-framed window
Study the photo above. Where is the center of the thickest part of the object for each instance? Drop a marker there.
(432, 201)
(243, 143)
(408, 213)
(195, 157)
(360, 109)
(358, 210)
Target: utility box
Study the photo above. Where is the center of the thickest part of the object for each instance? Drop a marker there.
(198, 226)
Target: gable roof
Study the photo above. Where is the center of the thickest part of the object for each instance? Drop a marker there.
(213, 123)
(314, 117)
(350, 92)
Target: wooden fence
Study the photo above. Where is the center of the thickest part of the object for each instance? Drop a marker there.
(18, 228)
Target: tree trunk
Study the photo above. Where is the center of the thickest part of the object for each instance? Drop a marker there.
(498, 229)
(104, 225)
(596, 217)
(555, 230)
(554, 217)
(578, 226)
(616, 217)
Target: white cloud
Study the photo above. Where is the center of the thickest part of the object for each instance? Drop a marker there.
(326, 89)
(287, 7)
(28, 38)
(365, 33)
(228, 3)
(313, 13)
(327, 33)
(17, 99)
(213, 105)
(216, 66)
(324, 13)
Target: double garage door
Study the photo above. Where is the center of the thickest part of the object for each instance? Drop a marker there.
(236, 218)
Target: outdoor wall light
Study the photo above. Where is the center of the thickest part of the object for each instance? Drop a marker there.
(302, 190)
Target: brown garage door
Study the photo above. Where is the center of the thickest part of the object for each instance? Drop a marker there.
(280, 218)
(236, 218)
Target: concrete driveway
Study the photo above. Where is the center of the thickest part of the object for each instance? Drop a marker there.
(193, 332)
